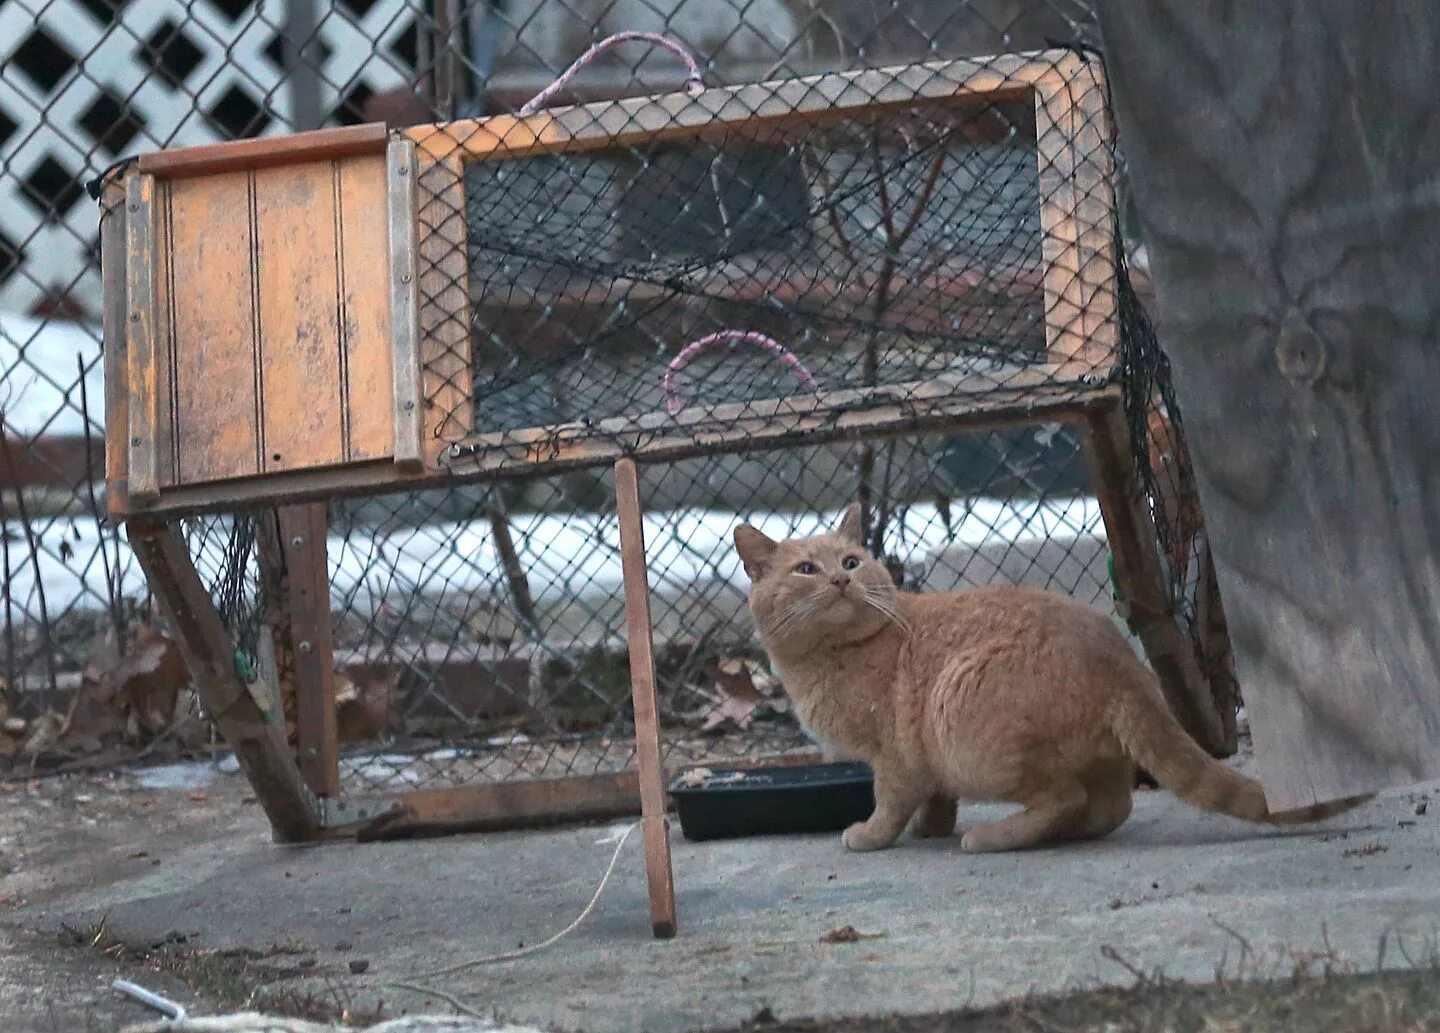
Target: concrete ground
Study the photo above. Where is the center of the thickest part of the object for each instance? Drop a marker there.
(181, 890)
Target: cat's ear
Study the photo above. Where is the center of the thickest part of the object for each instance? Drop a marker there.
(850, 524)
(756, 550)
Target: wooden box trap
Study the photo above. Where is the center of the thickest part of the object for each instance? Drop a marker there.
(826, 262)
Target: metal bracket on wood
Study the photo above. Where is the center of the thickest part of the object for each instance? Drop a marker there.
(338, 812)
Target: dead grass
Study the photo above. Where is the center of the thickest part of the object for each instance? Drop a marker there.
(1310, 991)
(232, 980)
(1390, 1002)
(1304, 992)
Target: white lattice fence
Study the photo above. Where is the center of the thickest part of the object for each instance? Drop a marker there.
(83, 82)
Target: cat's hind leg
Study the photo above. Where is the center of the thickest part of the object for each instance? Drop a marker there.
(936, 818)
(1053, 812)
(1108, 788)
(1104, 813)
(896, 801)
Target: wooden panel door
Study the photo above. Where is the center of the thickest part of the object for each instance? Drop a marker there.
(271, 317)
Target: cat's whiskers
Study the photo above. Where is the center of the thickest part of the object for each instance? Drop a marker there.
(880, 602)
(792, 613)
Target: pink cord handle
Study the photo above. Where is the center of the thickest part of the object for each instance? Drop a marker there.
(673, 404)
(693, 83)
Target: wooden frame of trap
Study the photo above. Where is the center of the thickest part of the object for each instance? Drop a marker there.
(249, 332)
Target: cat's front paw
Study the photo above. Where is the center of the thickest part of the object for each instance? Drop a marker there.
(861, 838)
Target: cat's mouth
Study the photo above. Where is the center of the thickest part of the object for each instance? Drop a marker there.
(847, 600)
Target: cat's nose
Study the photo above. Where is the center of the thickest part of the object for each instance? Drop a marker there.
(841, 581)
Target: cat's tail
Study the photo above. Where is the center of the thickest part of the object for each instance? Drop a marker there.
(1158, 743)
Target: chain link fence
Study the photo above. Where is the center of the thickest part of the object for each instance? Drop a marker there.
(479, 630)
(82, 84)
(550, 693)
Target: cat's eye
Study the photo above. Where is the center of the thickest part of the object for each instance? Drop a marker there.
(804, 568)
(850, 562)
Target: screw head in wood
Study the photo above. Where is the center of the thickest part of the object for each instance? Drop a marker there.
(304, 647)
(296, 542)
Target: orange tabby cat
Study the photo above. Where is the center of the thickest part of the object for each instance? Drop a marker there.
(1001, 693)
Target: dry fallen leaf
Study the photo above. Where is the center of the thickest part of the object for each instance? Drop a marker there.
(364, 705)
(738, 695)
(150, 679)
(43, 733)
(848, 934)
(131, 696)
(345, 690)
(12, 734)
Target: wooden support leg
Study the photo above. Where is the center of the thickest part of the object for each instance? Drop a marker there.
(1132, 536)
(257, 738)
(655, 825)
(1218, 660)
(307, 580)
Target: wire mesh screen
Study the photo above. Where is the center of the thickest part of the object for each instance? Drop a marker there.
(498, 643)
(1167, 482)
(840, 272)
(876, 250)
(483, 640)
(827, 245)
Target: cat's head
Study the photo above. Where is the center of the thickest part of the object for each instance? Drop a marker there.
(815, 590)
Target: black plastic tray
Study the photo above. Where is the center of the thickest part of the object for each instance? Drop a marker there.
(775, 801)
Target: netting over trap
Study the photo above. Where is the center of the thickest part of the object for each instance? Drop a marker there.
(487, 642)
(875, 253)
(766, 260)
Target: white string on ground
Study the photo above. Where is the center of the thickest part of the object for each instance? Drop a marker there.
(172, 1011)
(410, 982)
